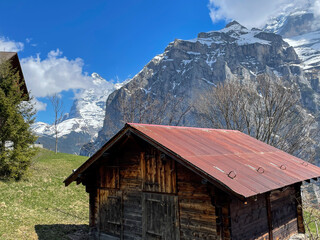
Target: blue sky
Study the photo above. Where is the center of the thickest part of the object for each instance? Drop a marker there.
(113, 38)
(60, 43)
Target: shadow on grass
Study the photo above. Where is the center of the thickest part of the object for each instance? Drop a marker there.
(62, 231)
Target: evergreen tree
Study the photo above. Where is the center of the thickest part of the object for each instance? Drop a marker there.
(16, 116)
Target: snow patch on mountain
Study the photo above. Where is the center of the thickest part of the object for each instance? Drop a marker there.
(307, 47)
(300, 28)
(87, 112)
(240, 35)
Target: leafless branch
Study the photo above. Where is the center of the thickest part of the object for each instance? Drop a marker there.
(57, 106)
(268, 109)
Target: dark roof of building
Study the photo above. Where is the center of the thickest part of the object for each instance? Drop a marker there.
(230, 159)
(13, 57)
(5, 56)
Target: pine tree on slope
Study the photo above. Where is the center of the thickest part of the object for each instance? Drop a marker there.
(16, 116)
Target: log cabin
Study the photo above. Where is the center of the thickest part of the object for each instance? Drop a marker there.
(167, 182)
(13, 58)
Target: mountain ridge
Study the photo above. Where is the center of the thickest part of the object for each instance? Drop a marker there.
(81, 124)
(301, 29)
(187, 68)
(178, 76)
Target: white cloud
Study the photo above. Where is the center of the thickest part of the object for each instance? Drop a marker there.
(39, 106)
(10, 46)
(54, 74)
(316, 8)
(255, 13)
(35, 104)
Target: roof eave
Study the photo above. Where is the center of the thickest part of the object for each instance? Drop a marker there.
(74, 176)
(187, 164)
(13, 57)
(121, 133)
(96, 156)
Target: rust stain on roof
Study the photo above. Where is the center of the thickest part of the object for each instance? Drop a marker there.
(244, 164)
(233, 159)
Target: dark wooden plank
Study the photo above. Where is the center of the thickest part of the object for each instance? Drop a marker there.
(110, 213)
(197, 214)
(143, 168)
(109, 177)
(158, 173)
(93, 207)
(144, 216)
(269, 215)
(301, 228)
(249, 219)
(159, 217)
(132, 214)
(177, 222)
(284, 212)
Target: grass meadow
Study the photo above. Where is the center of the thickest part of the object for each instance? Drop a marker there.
(41, 207)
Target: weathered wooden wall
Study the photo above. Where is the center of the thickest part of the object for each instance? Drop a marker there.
(197, 214)
(249, 220)
(158, 172)
(159, 200)
(141, 193)
(284, 213)
(116, 205)
(252, 220)
(301, 228)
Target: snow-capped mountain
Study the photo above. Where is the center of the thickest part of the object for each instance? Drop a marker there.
(300, 27)
(187, 68)
(84, 120)
(307, 47)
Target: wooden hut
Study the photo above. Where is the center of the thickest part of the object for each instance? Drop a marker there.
(165, 182)
(13, 58)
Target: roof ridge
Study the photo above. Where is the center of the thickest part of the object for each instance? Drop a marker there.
(198, 128)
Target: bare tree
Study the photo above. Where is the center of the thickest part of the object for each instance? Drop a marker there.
(141, 107)
(57, 105)
(267, 109)
(311, 213)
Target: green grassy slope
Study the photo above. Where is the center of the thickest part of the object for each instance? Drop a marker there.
(42, 207)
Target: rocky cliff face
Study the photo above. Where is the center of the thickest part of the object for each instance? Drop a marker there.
(301, 29)
(82, 123)
(188, 67)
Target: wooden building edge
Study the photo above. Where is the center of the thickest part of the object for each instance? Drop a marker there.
(13, 58)
(141, 190)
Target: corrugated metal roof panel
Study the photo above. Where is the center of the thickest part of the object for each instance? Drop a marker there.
(254, 167)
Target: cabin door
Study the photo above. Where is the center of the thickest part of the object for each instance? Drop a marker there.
(160, 217)
(110, 221)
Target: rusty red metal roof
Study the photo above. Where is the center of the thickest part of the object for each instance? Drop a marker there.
(253, 166)
(235, 160)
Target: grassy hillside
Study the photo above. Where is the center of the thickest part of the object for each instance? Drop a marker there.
(42, 207)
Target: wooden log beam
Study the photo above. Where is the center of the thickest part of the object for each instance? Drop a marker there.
(269, 215)
(300, 221)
